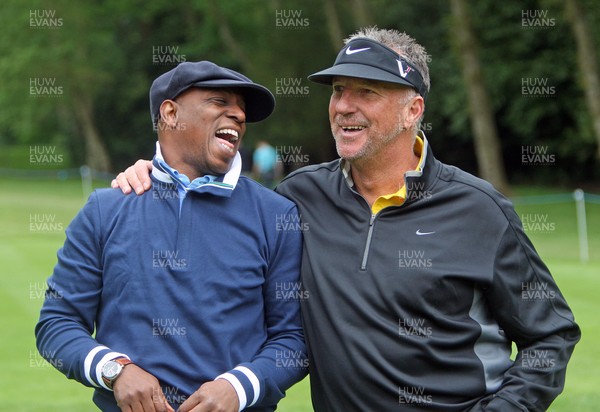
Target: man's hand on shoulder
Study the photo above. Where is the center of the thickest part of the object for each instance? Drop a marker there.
(136, 177)
(215, 396)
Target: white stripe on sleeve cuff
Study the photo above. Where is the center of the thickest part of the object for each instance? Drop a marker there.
(87, 363)
(239, 389)
(253, 380)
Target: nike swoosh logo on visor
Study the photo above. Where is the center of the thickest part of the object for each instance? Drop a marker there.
(349, 51)
(419, 233)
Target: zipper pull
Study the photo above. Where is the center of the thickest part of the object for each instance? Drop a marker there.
(363, 265)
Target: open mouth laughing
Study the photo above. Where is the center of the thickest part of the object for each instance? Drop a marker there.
(227, 138)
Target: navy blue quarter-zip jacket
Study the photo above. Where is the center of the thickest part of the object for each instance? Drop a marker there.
(186, 284)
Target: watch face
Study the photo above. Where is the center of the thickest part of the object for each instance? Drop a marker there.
(111, 369)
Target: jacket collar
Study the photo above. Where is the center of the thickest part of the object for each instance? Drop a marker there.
(222, 185)
(417, 182)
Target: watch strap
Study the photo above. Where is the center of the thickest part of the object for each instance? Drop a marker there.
(121, 361)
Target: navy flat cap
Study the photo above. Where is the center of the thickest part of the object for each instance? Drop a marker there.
(260, 102)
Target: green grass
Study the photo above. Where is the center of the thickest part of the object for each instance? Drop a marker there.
(29, 384)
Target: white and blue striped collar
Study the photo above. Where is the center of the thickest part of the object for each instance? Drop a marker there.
(225, 183)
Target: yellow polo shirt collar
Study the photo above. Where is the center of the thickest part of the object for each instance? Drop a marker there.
(392, 199)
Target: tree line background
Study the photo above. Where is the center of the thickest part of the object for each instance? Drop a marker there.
(508, 78)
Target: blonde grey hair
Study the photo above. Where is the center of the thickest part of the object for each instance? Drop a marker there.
(401, 43)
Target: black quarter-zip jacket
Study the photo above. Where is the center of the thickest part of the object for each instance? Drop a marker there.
(415, 308)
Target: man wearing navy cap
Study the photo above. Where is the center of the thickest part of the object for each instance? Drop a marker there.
(420, 275)
(172, 300)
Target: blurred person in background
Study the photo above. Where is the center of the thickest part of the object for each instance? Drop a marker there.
(265, 167)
